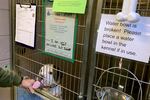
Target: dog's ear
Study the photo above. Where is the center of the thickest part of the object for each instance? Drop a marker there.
(40, 71)
(41, 76)
(57, 74)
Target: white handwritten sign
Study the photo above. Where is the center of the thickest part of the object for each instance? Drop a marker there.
(25, 25)
(124, 39)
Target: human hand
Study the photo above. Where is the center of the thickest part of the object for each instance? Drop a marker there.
(27, 83)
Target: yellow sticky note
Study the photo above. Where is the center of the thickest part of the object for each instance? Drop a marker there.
(69, 6)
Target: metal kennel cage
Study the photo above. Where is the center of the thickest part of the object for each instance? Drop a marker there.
(27, 61)
(79, 79)
(100, 62)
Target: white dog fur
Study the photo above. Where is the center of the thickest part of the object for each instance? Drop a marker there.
(48, 80)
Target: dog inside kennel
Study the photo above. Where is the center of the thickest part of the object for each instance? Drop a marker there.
(56, 78)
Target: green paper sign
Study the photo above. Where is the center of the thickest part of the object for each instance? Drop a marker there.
(70, 6)
(59, 34)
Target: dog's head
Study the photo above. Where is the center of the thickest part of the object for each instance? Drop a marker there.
(50, 74)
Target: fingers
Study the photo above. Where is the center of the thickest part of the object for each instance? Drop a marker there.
(27, 84)
(32, 81)
(31, 90)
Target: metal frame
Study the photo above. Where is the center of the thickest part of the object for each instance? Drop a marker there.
(85, 68)
(75, 73)
(93, 43)
(88, 64)
(12, 20)
(101, 62)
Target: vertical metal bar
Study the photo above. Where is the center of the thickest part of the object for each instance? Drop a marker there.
(65, 81)
(74, 85)
(102, 67)
(117, 4)
(85, 49)
(92, 52)
(96, 72)
(69, 87)
(142, 76)
(110, 6)
(104, 5)
(12, 21)
(148, 4)
(69, 79)
(12, 10)
(107, 74)
(62, 79)
(133, 80)
(120, 74)
(126, 79)
(139, 2)
(113, 74)
(148, 92)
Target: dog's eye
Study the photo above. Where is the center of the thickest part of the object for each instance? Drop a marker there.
(50, 72)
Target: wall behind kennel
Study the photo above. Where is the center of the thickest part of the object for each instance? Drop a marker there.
(28, 61)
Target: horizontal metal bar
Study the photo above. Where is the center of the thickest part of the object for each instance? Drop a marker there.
(44, 95)
(28, 71)
(44, 64)
(41, 36)
(75, 59)
(82, 26)
(123, 76)
(30, 59)
(70, 90)
(40, 76)
(78, 61)
(143, 10)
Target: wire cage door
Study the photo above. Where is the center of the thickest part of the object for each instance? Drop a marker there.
(100, 62)
(110, 93)
(33, 62)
